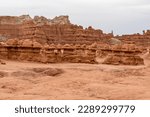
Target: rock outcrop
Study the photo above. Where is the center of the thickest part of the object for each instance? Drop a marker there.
(126, 54)
(142, 40)
(2, 62)
(14, 20)
(57, 40)
(30, 50)
(43, 30)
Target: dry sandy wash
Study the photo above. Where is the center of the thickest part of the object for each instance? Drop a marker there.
(25, 80)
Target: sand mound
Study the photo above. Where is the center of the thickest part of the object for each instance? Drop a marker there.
(48, 71)
(37, 72)
(23, 73)
(127, 72)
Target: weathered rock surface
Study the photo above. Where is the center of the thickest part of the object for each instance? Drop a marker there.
(142, 40)
(2, 62)
(48, 71)
(14, 20)
(43, 30)
(126, 54)
(31, 50)
(58, 40)
(147, 55)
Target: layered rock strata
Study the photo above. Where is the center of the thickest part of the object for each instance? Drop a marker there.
(43, 30)
(142, 40)
(58, 40)
(126, 54)
(33, 51)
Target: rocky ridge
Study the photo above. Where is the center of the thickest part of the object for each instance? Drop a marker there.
(41, 29)
(58, 40)
(141, 40)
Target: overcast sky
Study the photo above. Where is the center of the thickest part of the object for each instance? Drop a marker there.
(121, 16)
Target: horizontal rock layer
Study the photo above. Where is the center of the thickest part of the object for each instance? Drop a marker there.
(43, 30)
(48, 54)
(142, 40)
(126, 54)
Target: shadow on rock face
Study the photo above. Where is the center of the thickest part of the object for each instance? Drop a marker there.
(3, 74)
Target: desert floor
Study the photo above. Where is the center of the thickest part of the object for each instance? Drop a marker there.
(26, 80)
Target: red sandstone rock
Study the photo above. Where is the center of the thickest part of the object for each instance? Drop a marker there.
(27, 43)
(57, 40)
(43, 30)
(12, 42)
(126, 54)
(142, 40)
(2, 62)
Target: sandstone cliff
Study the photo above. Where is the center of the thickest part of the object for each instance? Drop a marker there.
(142, 40)
(43, 30)
(58, 40)
(28, 50)
(124, 54)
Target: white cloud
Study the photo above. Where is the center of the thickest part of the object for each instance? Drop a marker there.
(123, 16)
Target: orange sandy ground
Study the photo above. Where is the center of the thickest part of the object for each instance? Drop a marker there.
(79, 81)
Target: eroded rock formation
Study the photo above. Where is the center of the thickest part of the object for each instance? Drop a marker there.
(142, 40)
(2, 62)
(126, 54)
(58, 40)
(29, 50)
(43, 30)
